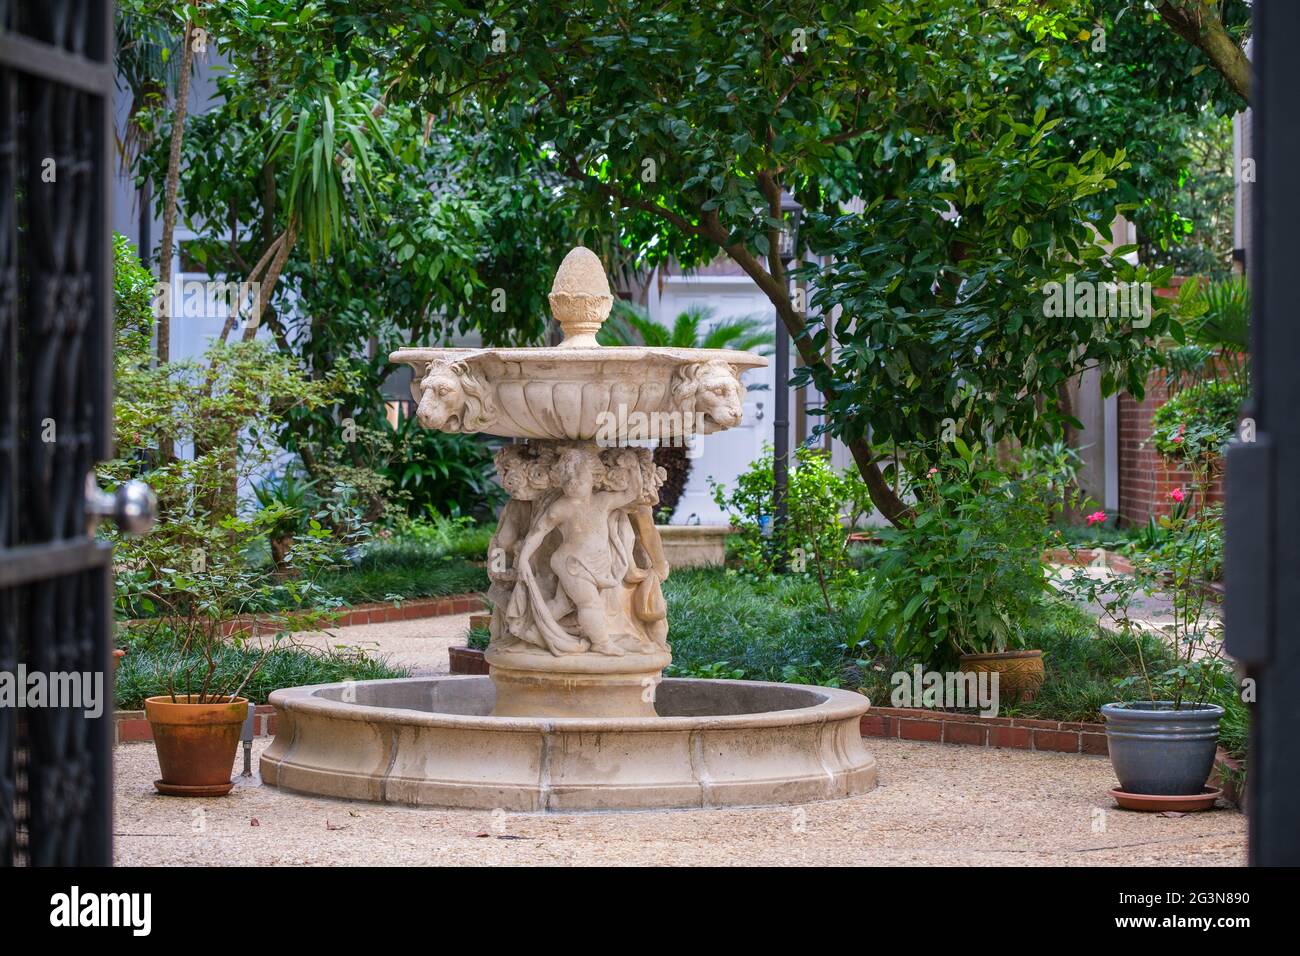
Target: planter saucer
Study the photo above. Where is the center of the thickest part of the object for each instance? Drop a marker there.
(1178, 803)
(204, 790)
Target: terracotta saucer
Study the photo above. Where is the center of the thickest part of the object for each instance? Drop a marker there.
(206, 790)
(1179, 803)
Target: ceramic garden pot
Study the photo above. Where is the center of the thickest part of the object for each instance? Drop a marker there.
(1161, 751)
(196, 743)
(1020, 673)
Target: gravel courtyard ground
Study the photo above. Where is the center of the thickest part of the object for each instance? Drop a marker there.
(934, 805)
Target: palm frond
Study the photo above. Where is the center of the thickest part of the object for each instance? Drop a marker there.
(629, 324)
(746, 333)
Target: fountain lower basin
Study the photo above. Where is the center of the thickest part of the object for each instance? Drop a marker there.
(432, 742)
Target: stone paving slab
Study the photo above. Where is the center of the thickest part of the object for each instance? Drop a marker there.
(935, 805)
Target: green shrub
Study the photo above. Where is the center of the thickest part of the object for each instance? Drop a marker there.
(449, 473)
(133, 289)
(1198, 421)
(965, 572)
(820, 503)
(461, 536)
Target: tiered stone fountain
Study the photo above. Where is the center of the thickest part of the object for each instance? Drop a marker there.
(575, 714)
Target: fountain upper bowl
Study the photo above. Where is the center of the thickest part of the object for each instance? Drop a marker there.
(584, 393)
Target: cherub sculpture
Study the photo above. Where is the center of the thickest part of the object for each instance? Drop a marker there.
(568, 566)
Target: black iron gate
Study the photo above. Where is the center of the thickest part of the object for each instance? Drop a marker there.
(56, 87)
(1262, 539)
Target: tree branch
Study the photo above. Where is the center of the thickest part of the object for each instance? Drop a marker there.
(1198, 23)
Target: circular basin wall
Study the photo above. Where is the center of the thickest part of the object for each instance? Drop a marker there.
(431, 742)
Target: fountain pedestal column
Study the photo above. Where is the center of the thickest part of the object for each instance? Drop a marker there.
(579, 624)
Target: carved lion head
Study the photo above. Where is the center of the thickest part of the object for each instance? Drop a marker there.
(712, 391)
(453, 399)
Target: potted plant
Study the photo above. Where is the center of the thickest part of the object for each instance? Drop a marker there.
(1162, 747)
(963, 576)
(1163, 744)
(468, 658)
(196, 736)
(183, 584)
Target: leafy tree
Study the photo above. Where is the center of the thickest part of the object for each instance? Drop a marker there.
(683, 123)
(1119, 78)
(363, 228)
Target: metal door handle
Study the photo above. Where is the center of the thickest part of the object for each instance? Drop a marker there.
(132, 507)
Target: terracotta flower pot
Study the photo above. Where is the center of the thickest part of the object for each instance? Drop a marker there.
(1020, 672)
(196, 743)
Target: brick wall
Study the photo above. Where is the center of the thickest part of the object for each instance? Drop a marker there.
(1145, 477)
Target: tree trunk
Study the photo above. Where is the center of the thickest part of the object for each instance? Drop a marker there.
(894, 509)
(166, 445)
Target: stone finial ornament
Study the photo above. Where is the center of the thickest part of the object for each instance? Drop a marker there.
(580, 298)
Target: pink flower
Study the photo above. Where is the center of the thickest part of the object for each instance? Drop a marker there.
(1177, 495)
(1097, 517)
(934, 471)
(1178, 439)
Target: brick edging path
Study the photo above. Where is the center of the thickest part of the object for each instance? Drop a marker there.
(378, 612)
(1016, 733)
(374, 612)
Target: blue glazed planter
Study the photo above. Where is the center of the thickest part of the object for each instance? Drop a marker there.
(1160, 751)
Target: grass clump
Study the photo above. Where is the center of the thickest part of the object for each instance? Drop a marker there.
(386, 570)
(151, 658)
(743, 627)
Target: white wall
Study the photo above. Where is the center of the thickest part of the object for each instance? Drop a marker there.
(722, 456)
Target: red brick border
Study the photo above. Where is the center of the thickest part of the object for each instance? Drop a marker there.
(1227, 773)
(130, 726)
(378, 612)
(466, 660)
(1016, 733)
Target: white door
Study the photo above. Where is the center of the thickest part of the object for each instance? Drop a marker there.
(724, 455)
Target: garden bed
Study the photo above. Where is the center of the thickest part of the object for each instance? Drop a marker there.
(143, 671)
